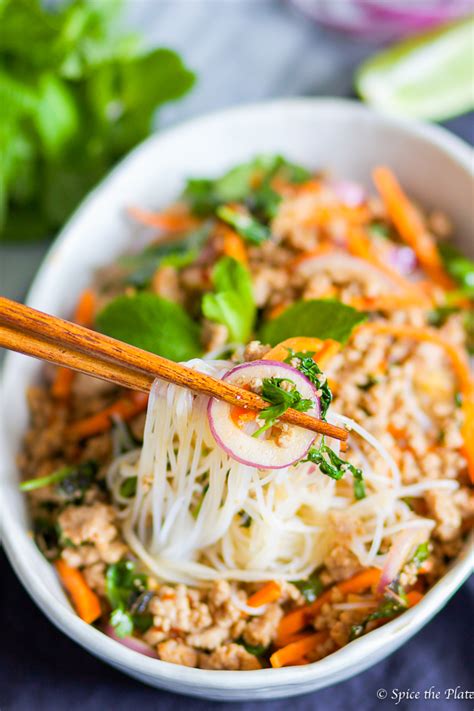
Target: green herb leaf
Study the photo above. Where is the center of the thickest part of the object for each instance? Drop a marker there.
(281, 400)
(122, 622)
(232, 302)
(311, 588)
(72, 481)
(128, 487)
(421, 554)
(243, 223)
(258, 650)
(332, 465)
(309, 368)
(152, 323)
(390, 607)
(124, 588)
(460, 267)
(314, 318)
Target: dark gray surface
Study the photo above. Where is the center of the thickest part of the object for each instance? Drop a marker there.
(243, 51)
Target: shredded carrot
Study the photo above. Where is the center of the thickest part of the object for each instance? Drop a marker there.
(125, 408)
(327, 351)
(297, 619)
(85, 601)
(168, 220)
(295, 650)
(410, 225)
(270, 592)
(414, 597)
(460, 366)
(234, 246)
(84, 315)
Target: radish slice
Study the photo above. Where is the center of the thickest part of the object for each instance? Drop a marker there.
(403, 545)
(234, 435)
(131, 642)
(349, 193)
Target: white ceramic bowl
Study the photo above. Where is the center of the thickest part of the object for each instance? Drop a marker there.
(433, 166)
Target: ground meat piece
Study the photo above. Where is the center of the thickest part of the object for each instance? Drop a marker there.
(224, 611)
(233, 657)
(267, 280)
(255, 350)
(154, 635)
(210, 639)
(165, 283)
(82, 555)
(94, 525)
(178, 608)
(444, 510)
(95, 577)
(214, 335)
(177, 652)
(290, 593)
(341, 563)
(261, 630)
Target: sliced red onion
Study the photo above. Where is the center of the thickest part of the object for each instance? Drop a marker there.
(262, 452)
(349, 193)
(403, 545)
(403, 259)
(131, 642)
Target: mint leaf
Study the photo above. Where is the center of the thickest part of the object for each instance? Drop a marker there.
(314, 318)
(243, 223)
(459, 267)
(232, 302)
(152, 323)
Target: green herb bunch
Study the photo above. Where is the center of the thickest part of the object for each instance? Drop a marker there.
(76, 94)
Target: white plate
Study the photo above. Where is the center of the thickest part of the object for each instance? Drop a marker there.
(350, 139)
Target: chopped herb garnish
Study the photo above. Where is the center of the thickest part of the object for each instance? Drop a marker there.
(378, 229)
(244, 224)
(459, 267)
(124, 589)
(387, 609)
(258, 650)
(311, 588)
(458, 399)
(46, 537)
(311, 370)
(72, 481)
(128, 487)
(332, 465)
(439, 316)
(421, 554)
(281, 400)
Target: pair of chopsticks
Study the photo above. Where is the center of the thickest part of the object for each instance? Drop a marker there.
(67, 344)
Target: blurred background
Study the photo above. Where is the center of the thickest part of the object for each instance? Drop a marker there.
(82, 82)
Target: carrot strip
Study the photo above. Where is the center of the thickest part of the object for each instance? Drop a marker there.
(295, 650)
(460, 366)
(170, 221)
(84, 315)
(414, 597)
(298, 619)
(270, 592)
(85, 601)
(125, 408)
(234, 246)
(410, 225)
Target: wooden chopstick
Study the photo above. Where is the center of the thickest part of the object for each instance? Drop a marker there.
(61, 342)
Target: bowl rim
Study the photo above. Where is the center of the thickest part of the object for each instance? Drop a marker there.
(336, 666)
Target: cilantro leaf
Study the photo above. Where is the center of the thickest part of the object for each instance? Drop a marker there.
(232, 302)
(244, 224)
(281, 400)
(314, 318)
(309, 368)
(152, 323)
(332, 465)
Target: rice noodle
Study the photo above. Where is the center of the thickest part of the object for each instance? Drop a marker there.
(189, 520)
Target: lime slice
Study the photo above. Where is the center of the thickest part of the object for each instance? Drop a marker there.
(430, 76)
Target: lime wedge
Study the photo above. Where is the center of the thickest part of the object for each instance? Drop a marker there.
(430, 76)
